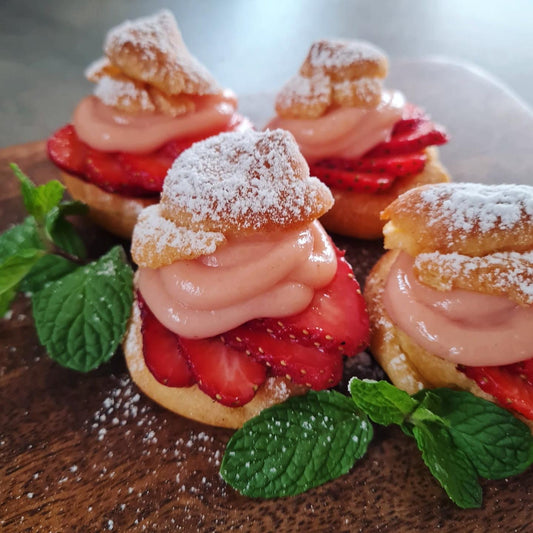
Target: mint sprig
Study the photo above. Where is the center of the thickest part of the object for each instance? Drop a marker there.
(81, 317)
(80, 309)
(312, 439)
(295, 446)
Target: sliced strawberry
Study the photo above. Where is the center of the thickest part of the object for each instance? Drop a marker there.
(162, 351)
(103, 169)
(400, 165)
(524, 369)
(307, 365)
(352, 181)
(229, 376)
(511, 390)
(336, 318)
(66, 150)
(146, 170)
(412, 116)
(425, 134)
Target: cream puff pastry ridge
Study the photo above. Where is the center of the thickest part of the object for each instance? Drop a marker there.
(241, 182)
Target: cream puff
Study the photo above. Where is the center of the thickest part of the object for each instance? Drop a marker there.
(151, 101)
(242, 299)
(451, 303)
(368, 144)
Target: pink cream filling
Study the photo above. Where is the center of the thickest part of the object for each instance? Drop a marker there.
(106, 129)
(461, 326)
(272, 275)
(345, 132)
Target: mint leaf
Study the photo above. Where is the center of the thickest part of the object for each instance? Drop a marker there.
(20, 237)
(81, 318)
(292, 447)
(381, 401)
(449, 465)
(12, 271)
(38, 200)
(47, 269)
(498, 444)
(6, 298)
(62, 233)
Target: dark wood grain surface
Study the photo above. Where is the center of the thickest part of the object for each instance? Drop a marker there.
(90, 453)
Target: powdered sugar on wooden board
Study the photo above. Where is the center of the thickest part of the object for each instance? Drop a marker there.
(465, 207)
(244, 180)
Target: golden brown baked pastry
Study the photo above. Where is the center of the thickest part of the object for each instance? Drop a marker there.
(234, 184)
(152, 99)
(460, 240)
(365, 142)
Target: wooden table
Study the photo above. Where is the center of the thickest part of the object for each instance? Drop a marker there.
(89, 453)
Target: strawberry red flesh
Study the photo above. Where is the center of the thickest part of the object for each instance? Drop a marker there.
(511, 388)
(376, 171)
(149, 171)
(352, 181)
(425, 134)
(227, 375)
(306, 365)
(162, 351)
(122, 172)
(67, 151)
(336, 318)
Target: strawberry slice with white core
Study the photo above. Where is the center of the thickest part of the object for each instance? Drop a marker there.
(229, 376)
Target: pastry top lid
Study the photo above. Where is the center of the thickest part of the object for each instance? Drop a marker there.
(243, 182)
(232, 184)
(151, 49)
(467, 218)
(335, 73)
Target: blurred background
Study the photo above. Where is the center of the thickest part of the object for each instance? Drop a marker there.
(252, 46)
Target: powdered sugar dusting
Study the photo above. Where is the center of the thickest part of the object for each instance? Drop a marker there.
(163, 237)
(152, 49)
(465, 207)
(245, 180)
(364, 89)
(155, 32)
(342, 53)
(123, 92)
(506, 273)
(302, 89)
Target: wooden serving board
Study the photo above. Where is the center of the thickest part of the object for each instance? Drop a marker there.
(87, 452)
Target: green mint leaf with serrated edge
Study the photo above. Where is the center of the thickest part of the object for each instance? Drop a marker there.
(62, 233)
(47, 269)
(300, 444)
(81, 318)
(12, 271)
(38, 200)
(498, 444)
(20, 237)
(449, 465)
(381, 401)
